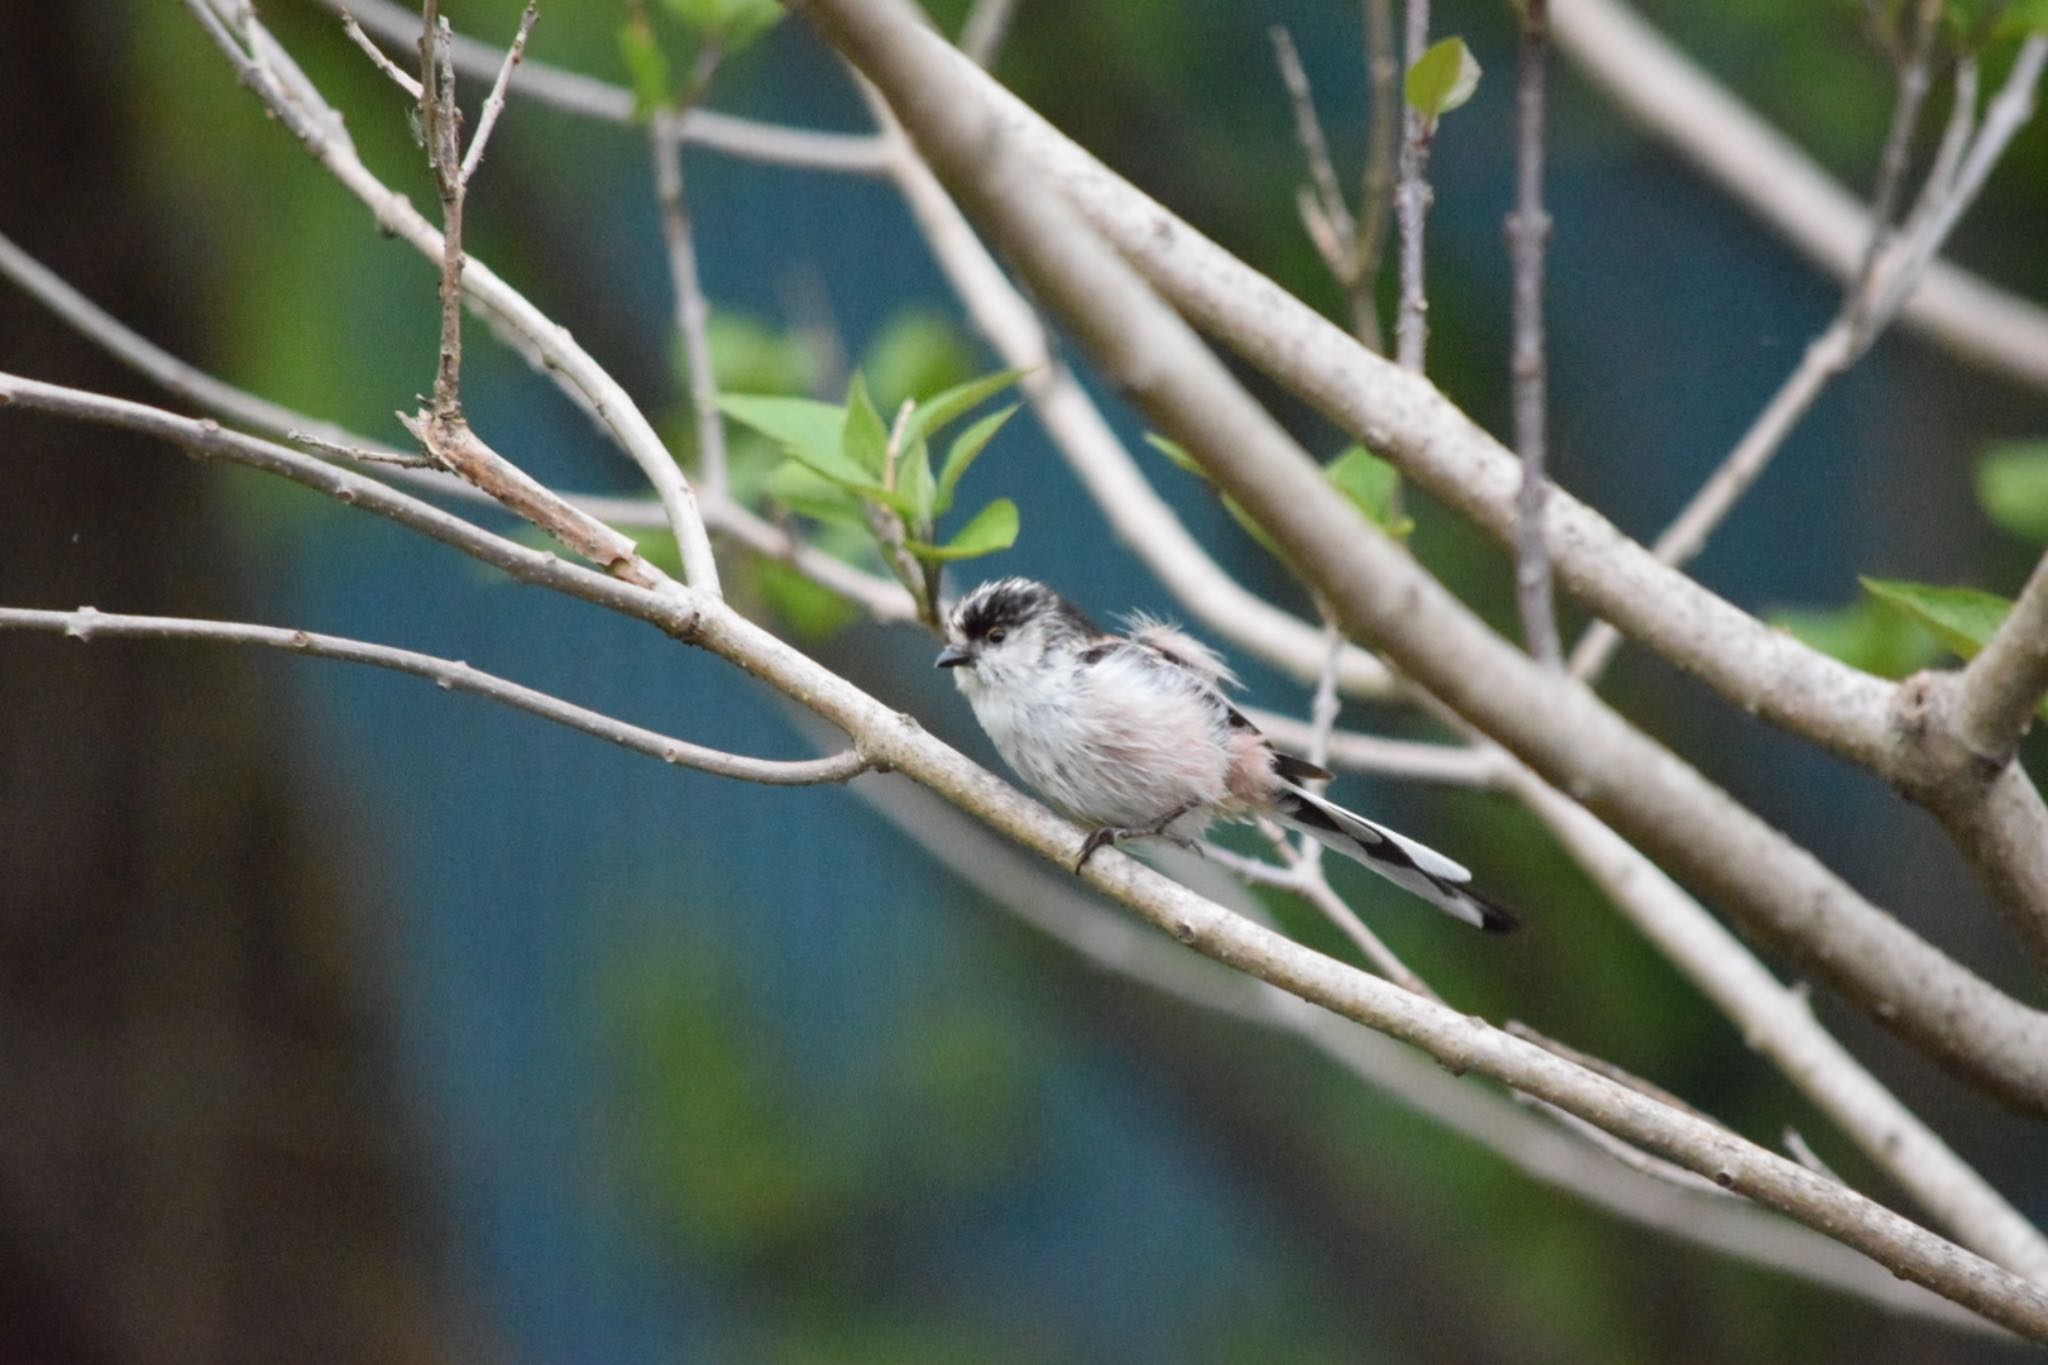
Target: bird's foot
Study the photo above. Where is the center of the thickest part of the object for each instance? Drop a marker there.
(1102, 838)
(1159, 829)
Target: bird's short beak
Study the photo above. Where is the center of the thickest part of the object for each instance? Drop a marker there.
(952, 656)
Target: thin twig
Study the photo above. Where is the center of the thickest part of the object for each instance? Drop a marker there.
(1528, 229)
(1303, 876)
(1324, 709)
(1630, 1155)
(1316, 890)
(1326, 706)
(1315, 149)
(987, 24)
(397, 459)
(1914, 65)
(402, 78)
(1999, 690)
(2009, 111)
(1796, 1144)
(1412, 196)
(441, 130)
(88, 623)
(1325, 215)
(1376, 196)
(494, 104)
(692, 311)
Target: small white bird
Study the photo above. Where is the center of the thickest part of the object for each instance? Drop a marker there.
(1133, 734)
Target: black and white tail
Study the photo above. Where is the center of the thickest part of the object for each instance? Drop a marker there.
(1407, 864)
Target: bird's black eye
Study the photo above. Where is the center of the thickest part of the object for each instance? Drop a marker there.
(997, 636)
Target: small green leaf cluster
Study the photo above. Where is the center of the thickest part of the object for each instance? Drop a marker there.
(847, 467)
(723, 27)
(1441, 79)
(1900, 627)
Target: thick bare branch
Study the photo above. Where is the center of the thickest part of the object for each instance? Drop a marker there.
(88, 623)
(1381, 594)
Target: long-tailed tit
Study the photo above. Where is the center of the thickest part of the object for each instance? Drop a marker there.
(1133, 734)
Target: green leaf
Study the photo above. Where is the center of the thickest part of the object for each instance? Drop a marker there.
(941, 409)
(1176, 452)
(1372, 485)
(966, 447)
(810, 609)
(821, 436)
(2012, 486)
(732, 24)
(993, 528)
(793, 423)
(866, 439)
(807, 429)
(808, 493)
(1866, 634)
(1442, 78)
(914, 482)
(646, 65)
(1962, 618)
(917, 352)
(748, 356)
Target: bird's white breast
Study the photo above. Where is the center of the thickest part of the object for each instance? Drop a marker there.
(1124, 741)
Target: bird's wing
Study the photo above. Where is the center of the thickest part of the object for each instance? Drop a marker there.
(1178, 647)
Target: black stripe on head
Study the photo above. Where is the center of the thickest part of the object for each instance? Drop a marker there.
(1009, 602)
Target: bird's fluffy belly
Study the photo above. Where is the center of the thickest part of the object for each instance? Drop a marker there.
(1110, 774)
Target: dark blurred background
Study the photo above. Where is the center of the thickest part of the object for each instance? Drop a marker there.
(341, 1019)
